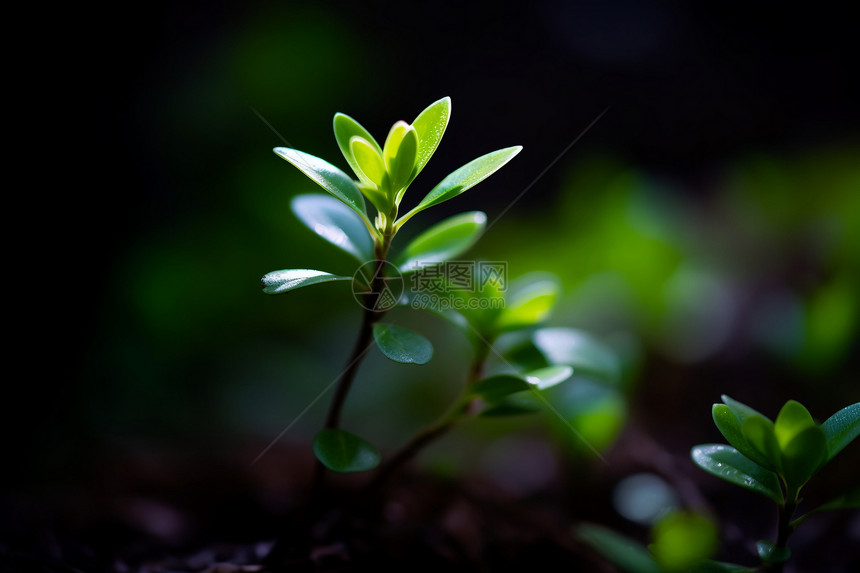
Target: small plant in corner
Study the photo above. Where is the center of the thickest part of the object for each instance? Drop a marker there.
(773, 458)
(776, 459)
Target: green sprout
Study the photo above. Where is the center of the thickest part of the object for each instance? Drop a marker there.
(777, 458)
(383, 174)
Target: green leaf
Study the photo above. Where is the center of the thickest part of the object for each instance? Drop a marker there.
(841, 428)
(277, 282)
(804, 455)
(529, 305)
(770, 553)
(729, 464)
(518, 404)
(334, 222)
(401, 344)
(792, 419)
(399, 152)
(494, 388)
(683, 540)
(729, 425)
(626, 554)
(430, 127)
(463, 179)
(368, 163)
(328, 177)
(442, 242)
(548, 377)
(345, 128)
(579, 349)
(342, 451)
(758, 431)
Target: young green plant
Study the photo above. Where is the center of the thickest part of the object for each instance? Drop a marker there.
(777, 458)
(383, 173)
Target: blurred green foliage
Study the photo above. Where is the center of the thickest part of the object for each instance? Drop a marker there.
(761, 258)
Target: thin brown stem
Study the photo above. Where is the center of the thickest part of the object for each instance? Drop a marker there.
(427, 435)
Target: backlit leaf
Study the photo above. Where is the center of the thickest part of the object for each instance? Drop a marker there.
(430, 127)
(442, 242)
(328, 177)
(464, 179)
(334, 222)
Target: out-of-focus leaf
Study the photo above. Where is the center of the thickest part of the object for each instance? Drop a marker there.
(277, 282)
(841, 428)
(626, 554)
(581, 350)
(328, 177)
(529, 306)
(401, 344)
(430, 126)
(494, 388)
(850, 500)
(334, 222)
(729, 464)
(342, 451)
(442, 241)
(792, 419)
(548, 377)
(463, 179)
(682, 541)
(770, 553)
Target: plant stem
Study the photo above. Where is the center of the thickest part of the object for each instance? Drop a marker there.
(428, 434)
(785, 527)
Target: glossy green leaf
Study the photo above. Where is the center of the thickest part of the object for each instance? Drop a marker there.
(464, 179)
(803, 455)
(334, 222)
(841, 429)
(399, 153)
(494, 388)
(548, 377)
(442, 242)
(626, 554)
(342, 451)
(401, 344)
(368, 163)
(345, 128)
(528, 306)
(729, 464)
(682, 540)
(770, 553)
(758, 431)
(579, 349)
(729, 425)
(430, 126)
(741, 410)
(328, 177)
(277, 282)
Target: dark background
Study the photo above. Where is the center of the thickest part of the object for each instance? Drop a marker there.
(153, 204)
